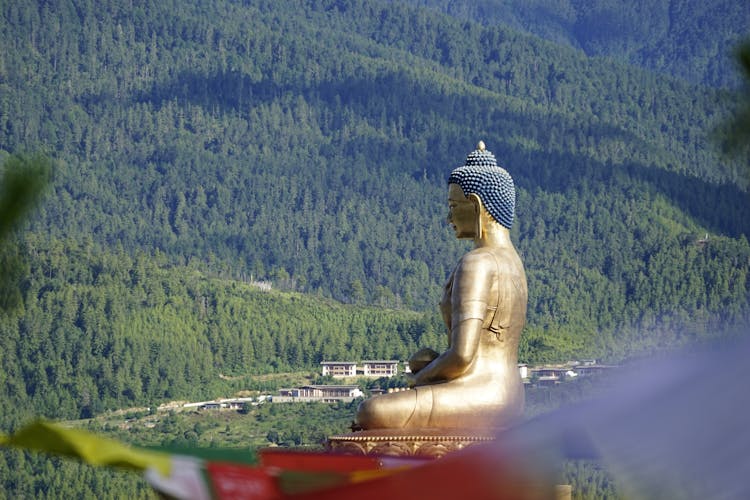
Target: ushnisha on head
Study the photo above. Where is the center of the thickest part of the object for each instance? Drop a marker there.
(481, 176)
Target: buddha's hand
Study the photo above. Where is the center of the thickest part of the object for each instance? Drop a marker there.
(421, 358)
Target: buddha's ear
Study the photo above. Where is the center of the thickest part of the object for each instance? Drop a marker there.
(477, 202)
(474, 198)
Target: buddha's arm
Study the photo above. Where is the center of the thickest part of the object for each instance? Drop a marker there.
(453, 362)
(469, 298)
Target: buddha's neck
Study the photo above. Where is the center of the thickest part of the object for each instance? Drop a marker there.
(493, 235)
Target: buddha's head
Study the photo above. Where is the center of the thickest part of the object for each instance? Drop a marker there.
(480, 185)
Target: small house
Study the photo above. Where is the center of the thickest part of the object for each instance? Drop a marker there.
(339, 369)
(380, 368)
(319, 393)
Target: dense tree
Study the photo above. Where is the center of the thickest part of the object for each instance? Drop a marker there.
(243, 148)
(206, 150)
(667, 37)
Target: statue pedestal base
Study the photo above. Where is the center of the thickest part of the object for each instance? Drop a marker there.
(428, 443)
(433, 443)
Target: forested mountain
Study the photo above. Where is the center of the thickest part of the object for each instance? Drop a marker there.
(102, 331)
(201, 148)
(308, 143)
(689, 39)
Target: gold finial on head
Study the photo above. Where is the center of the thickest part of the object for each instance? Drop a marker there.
(481, 146)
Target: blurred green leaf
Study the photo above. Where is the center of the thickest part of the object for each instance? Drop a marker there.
(24, 179)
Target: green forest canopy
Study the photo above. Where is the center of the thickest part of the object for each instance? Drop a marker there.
(202, 148)
(688, 39)
(307, 144)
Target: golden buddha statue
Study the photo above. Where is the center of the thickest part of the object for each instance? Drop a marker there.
(475, 382)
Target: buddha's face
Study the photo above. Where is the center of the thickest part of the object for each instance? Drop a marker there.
(462, 212)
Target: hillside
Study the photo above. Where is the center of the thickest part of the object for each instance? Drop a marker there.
(203, 149)
(103, 331)
(308, 144)
(691, 40)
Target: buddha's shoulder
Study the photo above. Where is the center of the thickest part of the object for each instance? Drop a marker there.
(488, 253)
(491, 257)
(479, 257)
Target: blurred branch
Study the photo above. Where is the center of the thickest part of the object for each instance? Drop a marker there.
(739, 128)
(22, 182)
(736, 131)
(24, 179)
